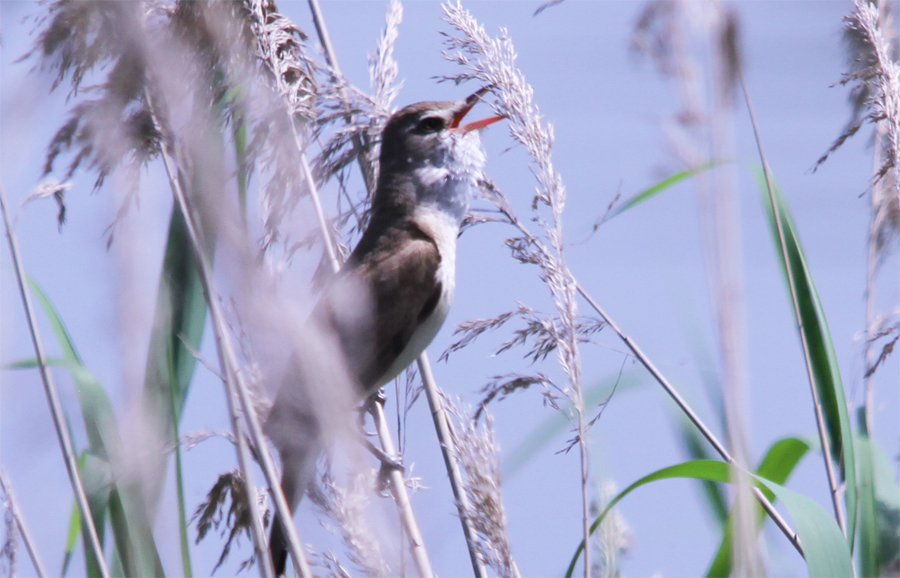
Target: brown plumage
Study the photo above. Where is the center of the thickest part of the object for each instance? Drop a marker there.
(392, 295)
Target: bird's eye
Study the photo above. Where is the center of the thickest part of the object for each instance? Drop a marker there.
(430, 124)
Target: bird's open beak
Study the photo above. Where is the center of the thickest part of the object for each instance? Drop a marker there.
(478, 124)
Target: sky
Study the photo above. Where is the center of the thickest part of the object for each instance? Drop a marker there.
(608, 109)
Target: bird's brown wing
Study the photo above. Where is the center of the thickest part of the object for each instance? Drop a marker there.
(402, 291)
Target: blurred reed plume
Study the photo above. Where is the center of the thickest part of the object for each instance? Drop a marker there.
(696, 47)
(870, 38)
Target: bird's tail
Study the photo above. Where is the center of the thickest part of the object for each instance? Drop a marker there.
(278, 546)
(298, 472)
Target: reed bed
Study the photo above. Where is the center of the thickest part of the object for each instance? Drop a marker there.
(234, 123)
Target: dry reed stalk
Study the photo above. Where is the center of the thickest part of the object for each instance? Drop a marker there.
(817, 404)
(333, 259)
(451, 461)
(493, 62)
(18, 527)
(871, 41)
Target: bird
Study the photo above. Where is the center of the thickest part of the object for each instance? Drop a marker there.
(391, 297)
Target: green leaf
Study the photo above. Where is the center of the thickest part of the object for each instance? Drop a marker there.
(697, 448)
(825, 549)
(182, 516)
(177, 331)
(821, 360)
(181, 308)
(96, 409)
(776, 466)
(33, 363)
(661, 186)
(96, 476)
(879, 509)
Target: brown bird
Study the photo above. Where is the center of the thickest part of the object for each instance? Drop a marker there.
(392, 295)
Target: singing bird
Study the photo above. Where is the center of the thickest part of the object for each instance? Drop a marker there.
(392, 295)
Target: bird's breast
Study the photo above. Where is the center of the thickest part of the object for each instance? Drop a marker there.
(443, 229)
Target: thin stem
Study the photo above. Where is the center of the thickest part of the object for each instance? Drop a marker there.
(179, 488)
(56, 410)
(401, 497)
(817, 404)
(234, 384)
(320, 212)
(871, 263)
(13, 506)
(331, 58)
(695, 419)
(324, 38)
(499, 200)
(585, 502)
(445, 432)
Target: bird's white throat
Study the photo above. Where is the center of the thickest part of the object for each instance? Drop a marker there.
(446, 180)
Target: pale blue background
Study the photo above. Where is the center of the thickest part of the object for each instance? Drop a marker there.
(645, 267)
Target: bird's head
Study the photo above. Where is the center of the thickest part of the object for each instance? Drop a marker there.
(428, 145)
(427, 131)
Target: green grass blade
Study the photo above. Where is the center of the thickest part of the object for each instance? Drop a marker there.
(822, 360)
(239, 137)
(96, 409)
(33, 363)
(105, 442)
(180, 318)
(181, 307)
(825, 549)
(781, 459)
(71, 538)
(121, 532)
(75, 516)
(182, 518)
(697, 448)
(179, 485)
(97, 477)
(661, 186)
(776, 466)
(95, 471)
(177, 328)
